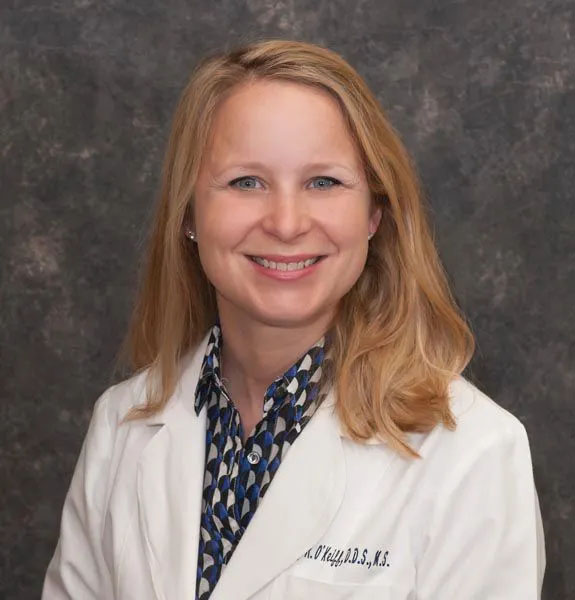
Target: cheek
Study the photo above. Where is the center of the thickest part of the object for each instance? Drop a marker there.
(222, 226)
(347, 225)
(348, 230)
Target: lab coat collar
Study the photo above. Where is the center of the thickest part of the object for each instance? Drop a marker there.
(183, 399)
(304, 497)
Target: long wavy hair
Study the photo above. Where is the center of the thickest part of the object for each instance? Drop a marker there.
(398, 338)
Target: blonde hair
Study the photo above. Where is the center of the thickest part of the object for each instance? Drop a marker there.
(398, 338)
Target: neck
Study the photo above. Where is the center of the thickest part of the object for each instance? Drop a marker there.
(254, 354)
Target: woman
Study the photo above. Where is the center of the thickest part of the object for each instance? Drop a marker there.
(298, 426)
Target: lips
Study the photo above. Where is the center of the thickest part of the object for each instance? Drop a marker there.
(286, 271)
(286, 258)
(285, 266)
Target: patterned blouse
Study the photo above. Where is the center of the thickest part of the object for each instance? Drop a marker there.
(237, 475)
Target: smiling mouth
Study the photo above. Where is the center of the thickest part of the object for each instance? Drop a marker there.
(285, 266)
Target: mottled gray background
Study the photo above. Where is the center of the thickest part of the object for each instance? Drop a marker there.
(484, 96)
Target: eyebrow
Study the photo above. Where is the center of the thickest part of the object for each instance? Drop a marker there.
(309, 166)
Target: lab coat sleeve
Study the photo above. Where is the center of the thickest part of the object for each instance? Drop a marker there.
(485, 536)
(77, 569)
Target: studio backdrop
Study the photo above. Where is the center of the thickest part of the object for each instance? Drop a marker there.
(483, 95)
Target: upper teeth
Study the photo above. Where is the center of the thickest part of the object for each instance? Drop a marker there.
(283, 266)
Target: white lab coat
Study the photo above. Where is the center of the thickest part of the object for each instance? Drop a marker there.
(340, 519)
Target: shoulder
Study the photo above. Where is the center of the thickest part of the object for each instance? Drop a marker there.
(482, 425)
(117, 400)
(480, 416)
(469, 402)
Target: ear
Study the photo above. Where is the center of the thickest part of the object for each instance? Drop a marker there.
(188, 221)
(375, 218)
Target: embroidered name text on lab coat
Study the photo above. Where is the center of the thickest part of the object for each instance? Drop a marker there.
(360, 557)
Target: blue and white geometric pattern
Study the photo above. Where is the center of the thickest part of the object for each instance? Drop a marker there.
(237, 475)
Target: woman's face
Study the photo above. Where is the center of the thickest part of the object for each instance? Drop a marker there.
(281, 183)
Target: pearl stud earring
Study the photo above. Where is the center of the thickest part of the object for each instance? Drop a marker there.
(190, 234)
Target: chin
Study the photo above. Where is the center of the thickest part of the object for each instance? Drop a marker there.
(288, 316)
(284, 319)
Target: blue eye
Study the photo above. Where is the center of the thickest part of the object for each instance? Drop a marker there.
(247, 179)
(327, 182)
(249, 182)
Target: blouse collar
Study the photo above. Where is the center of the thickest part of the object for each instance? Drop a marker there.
(210, 373)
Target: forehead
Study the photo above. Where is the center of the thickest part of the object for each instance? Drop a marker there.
(280, 121)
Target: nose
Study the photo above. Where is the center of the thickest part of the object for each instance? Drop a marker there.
(287, 215)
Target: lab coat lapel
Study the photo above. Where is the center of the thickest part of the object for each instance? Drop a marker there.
(170, 484)
(295, 512)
